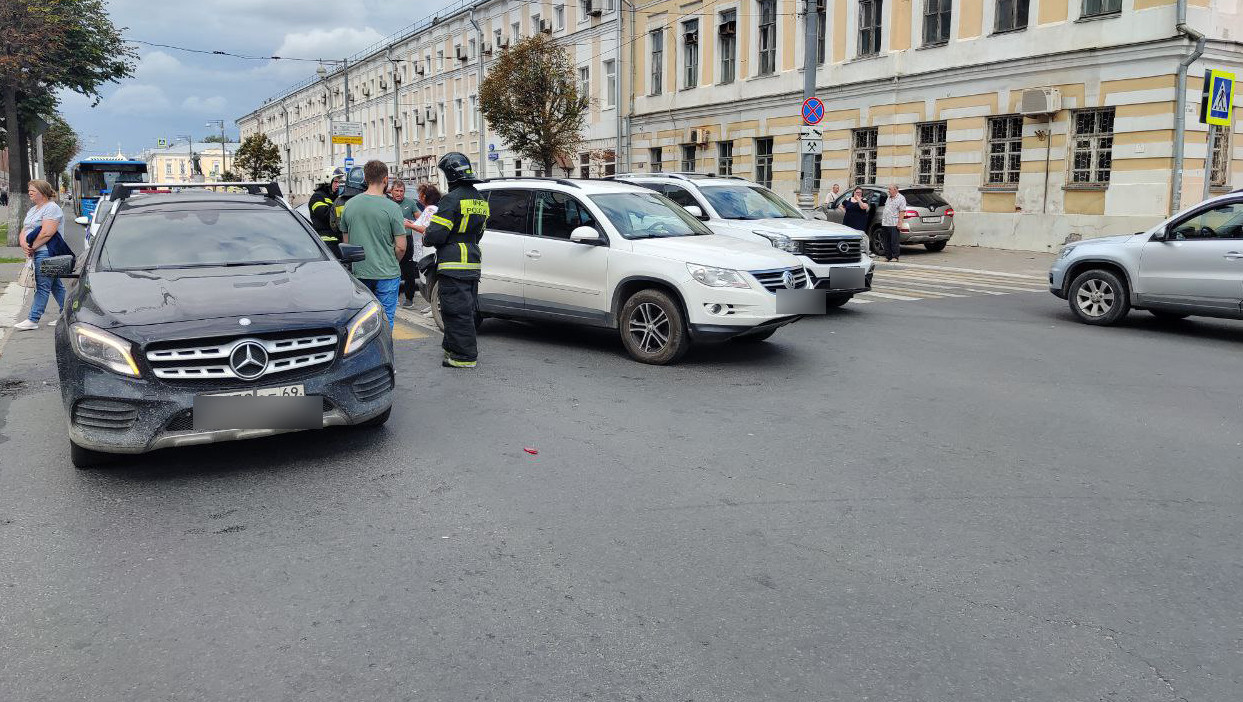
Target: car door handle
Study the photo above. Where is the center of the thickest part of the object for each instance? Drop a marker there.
(533, 254)
(1232, 255)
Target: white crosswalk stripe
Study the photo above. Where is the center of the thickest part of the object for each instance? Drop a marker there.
(908, 284)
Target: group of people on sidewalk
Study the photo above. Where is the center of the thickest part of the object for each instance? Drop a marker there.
(365, 207)
(855, 215)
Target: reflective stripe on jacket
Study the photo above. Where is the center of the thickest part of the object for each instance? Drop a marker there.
(455, 231)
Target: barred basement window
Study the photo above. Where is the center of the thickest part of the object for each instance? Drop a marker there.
(584, 165)
(869, 27)
(725, 158)
(655, 159)
(1219, 171)
(930, 153)
(863, 154)
(1005, 149)
(1092, 146)
(764, 161)
(688, 158)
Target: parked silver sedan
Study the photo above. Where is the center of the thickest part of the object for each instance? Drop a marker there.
(1190, 264)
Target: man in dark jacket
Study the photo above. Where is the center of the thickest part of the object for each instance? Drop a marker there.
(320, 206)
(455, 231)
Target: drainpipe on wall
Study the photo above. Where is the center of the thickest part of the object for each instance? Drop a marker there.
(483, 131)
(392, 62)
(1180, 112)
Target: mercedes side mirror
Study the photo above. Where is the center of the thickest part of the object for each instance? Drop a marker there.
(57, 267)
(351, 253)
(585, 235)
(82, 221)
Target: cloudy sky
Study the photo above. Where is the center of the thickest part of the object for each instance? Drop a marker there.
(174, 92)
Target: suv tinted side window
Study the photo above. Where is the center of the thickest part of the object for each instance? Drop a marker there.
(557, 214)
(511, 210)
(680, 195)
(1222, 222)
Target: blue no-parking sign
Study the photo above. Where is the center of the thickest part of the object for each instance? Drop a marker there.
(813, 110)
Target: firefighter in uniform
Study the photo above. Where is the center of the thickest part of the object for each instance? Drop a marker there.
(455, 231)
(352, 184)
(320, 206)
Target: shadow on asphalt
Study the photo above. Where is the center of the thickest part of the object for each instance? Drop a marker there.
(607, 342)
(1206, 328)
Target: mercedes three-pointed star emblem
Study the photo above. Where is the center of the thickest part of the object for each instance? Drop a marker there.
(248, 359)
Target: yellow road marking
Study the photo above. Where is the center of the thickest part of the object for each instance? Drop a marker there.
(406, 332)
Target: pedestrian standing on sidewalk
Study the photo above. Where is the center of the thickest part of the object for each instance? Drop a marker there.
(410, 209)
(44, 220)
(373, 221)
(890, 218)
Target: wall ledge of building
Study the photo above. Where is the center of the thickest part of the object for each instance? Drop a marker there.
(1032, 231)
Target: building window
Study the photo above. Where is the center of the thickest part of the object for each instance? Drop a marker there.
(473, 48)
(440, 60)
(727, 30)
(658, 60)
(690, 53)
(1219, 171)
(937, 21)
(584, 10)
(459, 118)
(863, 154)
(725, 158)
(1011, 15)
(608, 5)
(168, 168)
(688, 158)
(768, 37)
(1005, 149)
(440, 119)
(822, 23)
(497, 39)
(610, 83)
(655, 159)
(535, 24)
(930, 153)
(181, 166)
(869, 27)
(817, 165)
(610, 163)
(518, 167)
(516, 29)
(558, 14)
(584, 165)
(473, 116)
(584, 82)
(764, 161)
(1098, 8)
(1092, 146)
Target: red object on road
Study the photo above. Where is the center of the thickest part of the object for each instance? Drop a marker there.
(531, 451)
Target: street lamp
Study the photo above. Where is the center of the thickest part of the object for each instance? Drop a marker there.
(323, 74)
(190, 144)
(223, 162)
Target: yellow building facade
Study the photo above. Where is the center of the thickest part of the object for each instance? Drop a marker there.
(173, 164)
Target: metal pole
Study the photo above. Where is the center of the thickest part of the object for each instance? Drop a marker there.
(349, 153)
(483, 131)
(1180, 104)
(288, 154)
(1208, 158)
(806, 196)
(224, 162)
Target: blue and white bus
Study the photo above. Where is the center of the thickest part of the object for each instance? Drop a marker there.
(95, 177)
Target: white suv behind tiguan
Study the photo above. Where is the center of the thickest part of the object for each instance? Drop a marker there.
(613, 255)
(834, 255)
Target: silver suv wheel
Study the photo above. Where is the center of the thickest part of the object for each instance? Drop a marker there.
(1098, 296)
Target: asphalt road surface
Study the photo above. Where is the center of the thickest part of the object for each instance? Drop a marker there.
(946, 498)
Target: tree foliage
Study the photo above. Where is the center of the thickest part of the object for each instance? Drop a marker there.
(47, 45)
(60, 145)
(530, 98)
(258, 158)
(217, 139)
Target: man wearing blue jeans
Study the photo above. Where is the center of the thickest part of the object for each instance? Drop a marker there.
(373, 221)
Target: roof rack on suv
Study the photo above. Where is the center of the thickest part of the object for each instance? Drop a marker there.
(678, 175)
(561, 181)
(122, 191)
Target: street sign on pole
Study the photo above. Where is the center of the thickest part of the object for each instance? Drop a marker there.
(810, 147)
(161, 143)
(349, 161)
(1217, 98)
(813, 110)
(350, 133)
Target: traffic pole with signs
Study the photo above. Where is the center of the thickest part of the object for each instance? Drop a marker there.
(813, 108)
(1216, 110)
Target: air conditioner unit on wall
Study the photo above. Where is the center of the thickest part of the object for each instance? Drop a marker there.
(383, 84)
(728, 29)
(431, 114)
(593, 10)
(418, 117)
(462, 54)
(503, 42)
(418, 68)
(691, 37)
(545, 26)
(1041, 101)
(698, 136)
(487, 49)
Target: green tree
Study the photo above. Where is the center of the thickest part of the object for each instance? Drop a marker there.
(46, 46)
(258, 158)
(60, 145)
(217, 139)
(530, 98)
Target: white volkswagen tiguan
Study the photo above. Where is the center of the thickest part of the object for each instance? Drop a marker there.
(613, 255)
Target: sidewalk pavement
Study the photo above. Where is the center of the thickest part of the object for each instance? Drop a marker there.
(1030, 263)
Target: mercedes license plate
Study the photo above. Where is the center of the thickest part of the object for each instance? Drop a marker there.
(283, 408)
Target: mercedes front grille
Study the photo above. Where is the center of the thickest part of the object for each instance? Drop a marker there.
(214, 359)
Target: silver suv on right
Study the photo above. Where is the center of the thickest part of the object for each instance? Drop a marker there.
(1190, 264)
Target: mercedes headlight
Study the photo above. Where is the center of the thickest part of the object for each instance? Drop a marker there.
(717, 277)
(106, 350)
(780, 241)
(365, 325)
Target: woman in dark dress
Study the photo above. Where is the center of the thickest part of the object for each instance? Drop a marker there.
(855, 210)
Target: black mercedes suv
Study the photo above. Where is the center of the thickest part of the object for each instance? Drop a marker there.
(204, 316)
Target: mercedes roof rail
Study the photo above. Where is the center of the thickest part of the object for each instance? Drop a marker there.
(122, 191)
(562, 181)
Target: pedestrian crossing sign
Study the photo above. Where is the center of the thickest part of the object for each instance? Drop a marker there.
(1217, 98)
(161, 143)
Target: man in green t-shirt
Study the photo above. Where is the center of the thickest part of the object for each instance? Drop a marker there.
(374, 222)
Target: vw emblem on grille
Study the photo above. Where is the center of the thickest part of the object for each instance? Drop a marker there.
(844, 247)
(244, 321)
(248, 360)
(787, 279)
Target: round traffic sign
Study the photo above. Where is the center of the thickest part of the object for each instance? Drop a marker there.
(813, 110)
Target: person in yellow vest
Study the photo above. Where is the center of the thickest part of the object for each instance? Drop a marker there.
(320, 206)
